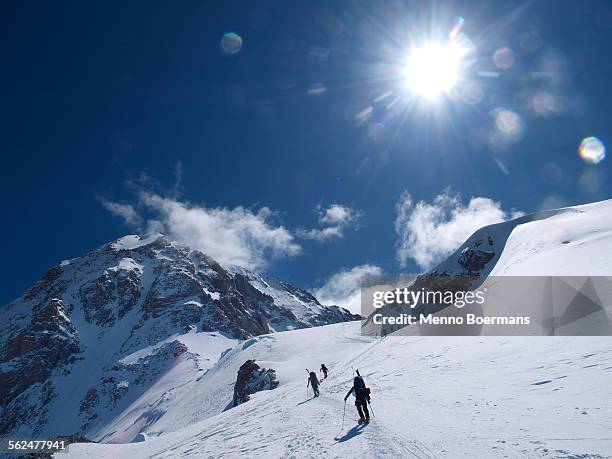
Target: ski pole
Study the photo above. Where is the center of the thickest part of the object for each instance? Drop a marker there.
(343, 414)
(372, 409)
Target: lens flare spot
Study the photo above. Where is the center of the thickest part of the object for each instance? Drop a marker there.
(456, 28)
(316, 89)
(592, 150)
(509, 123)
(544, 104)
(503, 58)
(590, 181)
(364, 115)
(231, 43)
(502, 166)
(488, 74)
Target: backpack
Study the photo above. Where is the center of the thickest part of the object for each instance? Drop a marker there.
(313, 378)
(361, 391)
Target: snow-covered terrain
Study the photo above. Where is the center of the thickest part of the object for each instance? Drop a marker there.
(101, 345)
(573, 241)
(432, 397)
(576, 241)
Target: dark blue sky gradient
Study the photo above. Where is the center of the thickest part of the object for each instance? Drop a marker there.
(95, 93)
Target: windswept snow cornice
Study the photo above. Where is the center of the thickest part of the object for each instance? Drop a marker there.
(133, 241)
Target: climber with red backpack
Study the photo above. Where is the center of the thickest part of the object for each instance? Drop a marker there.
(362, 398)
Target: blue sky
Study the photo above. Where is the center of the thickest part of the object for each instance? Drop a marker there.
(134, 105)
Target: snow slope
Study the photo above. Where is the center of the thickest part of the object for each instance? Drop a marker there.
(432, 397)
(576, 241)
(573, 241)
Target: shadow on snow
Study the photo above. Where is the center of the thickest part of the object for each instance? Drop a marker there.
(351, 433)
(305, 401)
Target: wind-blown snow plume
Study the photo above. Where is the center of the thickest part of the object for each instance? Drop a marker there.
(429, 232)
(237, 236)
(124, 211)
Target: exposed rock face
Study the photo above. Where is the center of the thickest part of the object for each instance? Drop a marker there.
(252, 378)
(74, 328)
(28, 357)
(474, 260)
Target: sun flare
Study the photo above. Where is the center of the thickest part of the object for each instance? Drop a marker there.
(433, 68)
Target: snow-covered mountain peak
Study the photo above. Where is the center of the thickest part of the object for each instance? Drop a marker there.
(64, 342)
(134, 241)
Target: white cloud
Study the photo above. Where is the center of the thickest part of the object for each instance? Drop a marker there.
(334, 220)
(337, 214)
(343, 287)
(125, 211)
(237, 236)
(429, 232)
(321, 234)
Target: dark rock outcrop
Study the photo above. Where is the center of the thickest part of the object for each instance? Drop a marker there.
(474, 260)
(28, 357)
(252, 378)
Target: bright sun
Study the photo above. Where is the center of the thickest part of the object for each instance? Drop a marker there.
(433, 69)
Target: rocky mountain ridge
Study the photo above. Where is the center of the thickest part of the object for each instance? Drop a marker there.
(89, 337)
